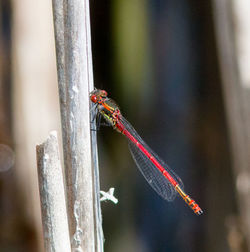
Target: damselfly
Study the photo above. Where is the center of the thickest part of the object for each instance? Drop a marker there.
(157, 173)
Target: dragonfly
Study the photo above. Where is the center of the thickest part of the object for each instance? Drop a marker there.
(156, 172)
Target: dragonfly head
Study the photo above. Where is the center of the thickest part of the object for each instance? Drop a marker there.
(97, 95)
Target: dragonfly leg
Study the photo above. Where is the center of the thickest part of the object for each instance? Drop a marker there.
(94, 114)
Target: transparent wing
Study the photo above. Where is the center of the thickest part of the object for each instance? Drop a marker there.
(150, 172)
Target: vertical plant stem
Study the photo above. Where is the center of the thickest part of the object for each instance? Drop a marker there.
(232, 34)
(54, 214)
(78, 155)
(75, 79)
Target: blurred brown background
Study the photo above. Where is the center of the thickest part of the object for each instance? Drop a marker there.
(179, 71)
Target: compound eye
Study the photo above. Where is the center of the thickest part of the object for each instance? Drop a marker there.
(104, 93)
(93, 98)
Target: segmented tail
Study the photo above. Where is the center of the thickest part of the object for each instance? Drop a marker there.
(191, 203)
